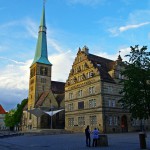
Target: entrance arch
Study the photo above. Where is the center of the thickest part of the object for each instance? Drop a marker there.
(124, 123)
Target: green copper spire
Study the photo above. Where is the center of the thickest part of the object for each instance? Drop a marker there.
(41, 47)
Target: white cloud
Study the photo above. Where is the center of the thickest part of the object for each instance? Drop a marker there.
(123, 51)
(128, 27)
(14, 79)
(31, 27)
(15, 74)
(116, 31)
(62, 64)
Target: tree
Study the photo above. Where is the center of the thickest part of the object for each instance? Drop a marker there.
(19, 111)
(9, 119)
(13, 117)
(136, 85)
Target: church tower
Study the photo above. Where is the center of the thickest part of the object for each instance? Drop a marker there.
(40, 70)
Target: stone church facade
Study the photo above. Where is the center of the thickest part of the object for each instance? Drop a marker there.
(92, 94)
(44, 93)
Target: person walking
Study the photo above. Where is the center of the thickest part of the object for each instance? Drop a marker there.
(95, 134)
(88, 137)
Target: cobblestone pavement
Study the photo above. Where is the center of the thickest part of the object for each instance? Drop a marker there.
(126, 141)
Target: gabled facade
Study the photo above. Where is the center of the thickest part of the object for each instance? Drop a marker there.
(92, 94)
(2, 117)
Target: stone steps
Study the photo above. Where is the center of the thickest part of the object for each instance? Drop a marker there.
(47, 132)
(6, 135)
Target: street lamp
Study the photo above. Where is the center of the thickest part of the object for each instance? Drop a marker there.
(51, 116)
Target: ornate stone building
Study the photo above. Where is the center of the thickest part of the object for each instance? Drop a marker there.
(43, 93)
(92, 94)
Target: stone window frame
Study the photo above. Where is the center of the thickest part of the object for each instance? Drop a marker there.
(92, 103)
(91, 90)
(70, 95)
(81, 121)
(93, 120)
(110, 120)
(81, 105)
(70, 107)
(112, 103)
(115, 120)
(80, 93)
(71, 122)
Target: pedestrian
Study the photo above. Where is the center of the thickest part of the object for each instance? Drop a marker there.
(95, 134)
(88, 137)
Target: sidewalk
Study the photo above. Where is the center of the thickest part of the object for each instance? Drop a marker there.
(126, 141)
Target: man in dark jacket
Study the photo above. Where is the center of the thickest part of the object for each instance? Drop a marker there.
(88, 138)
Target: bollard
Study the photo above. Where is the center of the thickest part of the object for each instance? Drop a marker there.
(142, 139)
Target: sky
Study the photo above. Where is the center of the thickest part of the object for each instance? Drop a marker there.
(104, 26)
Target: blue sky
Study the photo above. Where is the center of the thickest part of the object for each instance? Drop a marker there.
(105, 26)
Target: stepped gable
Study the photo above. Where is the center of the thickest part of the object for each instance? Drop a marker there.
(103, 65)
(41, 99)
(2, 111)
(58, 87)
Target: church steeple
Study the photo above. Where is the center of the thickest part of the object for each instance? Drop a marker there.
(41, 47)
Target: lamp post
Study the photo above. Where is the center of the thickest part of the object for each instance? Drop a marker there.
(52, 116)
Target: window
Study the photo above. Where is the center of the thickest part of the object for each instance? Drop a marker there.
(81, 121)
(115, 120)
(121, 76)
(110, 120)
(43, 70)
(92, 103)
(70, 95)
(112, 103)
(43, 80)
(93, 120)
(70, 121)
(110, 89)
(81, 105)
(135, 122)
(80, 93)
(91, 90)
(70, 107)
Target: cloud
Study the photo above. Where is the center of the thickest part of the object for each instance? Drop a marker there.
(31, 27)
(116, 31)
(14, 79)
(123, 51)
(128, 27)
(14, 74)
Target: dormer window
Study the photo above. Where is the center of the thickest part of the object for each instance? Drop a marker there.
(99, 65)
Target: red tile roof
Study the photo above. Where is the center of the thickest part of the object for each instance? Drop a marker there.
(2, 111)
(41, 99)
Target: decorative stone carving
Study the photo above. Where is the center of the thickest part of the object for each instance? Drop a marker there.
(86, 65)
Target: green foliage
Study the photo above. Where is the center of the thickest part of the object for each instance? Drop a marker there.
(9, 118)
(136, 90)
(13, 117)
(19, 111)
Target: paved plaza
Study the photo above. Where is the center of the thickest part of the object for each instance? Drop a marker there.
(76, 141)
